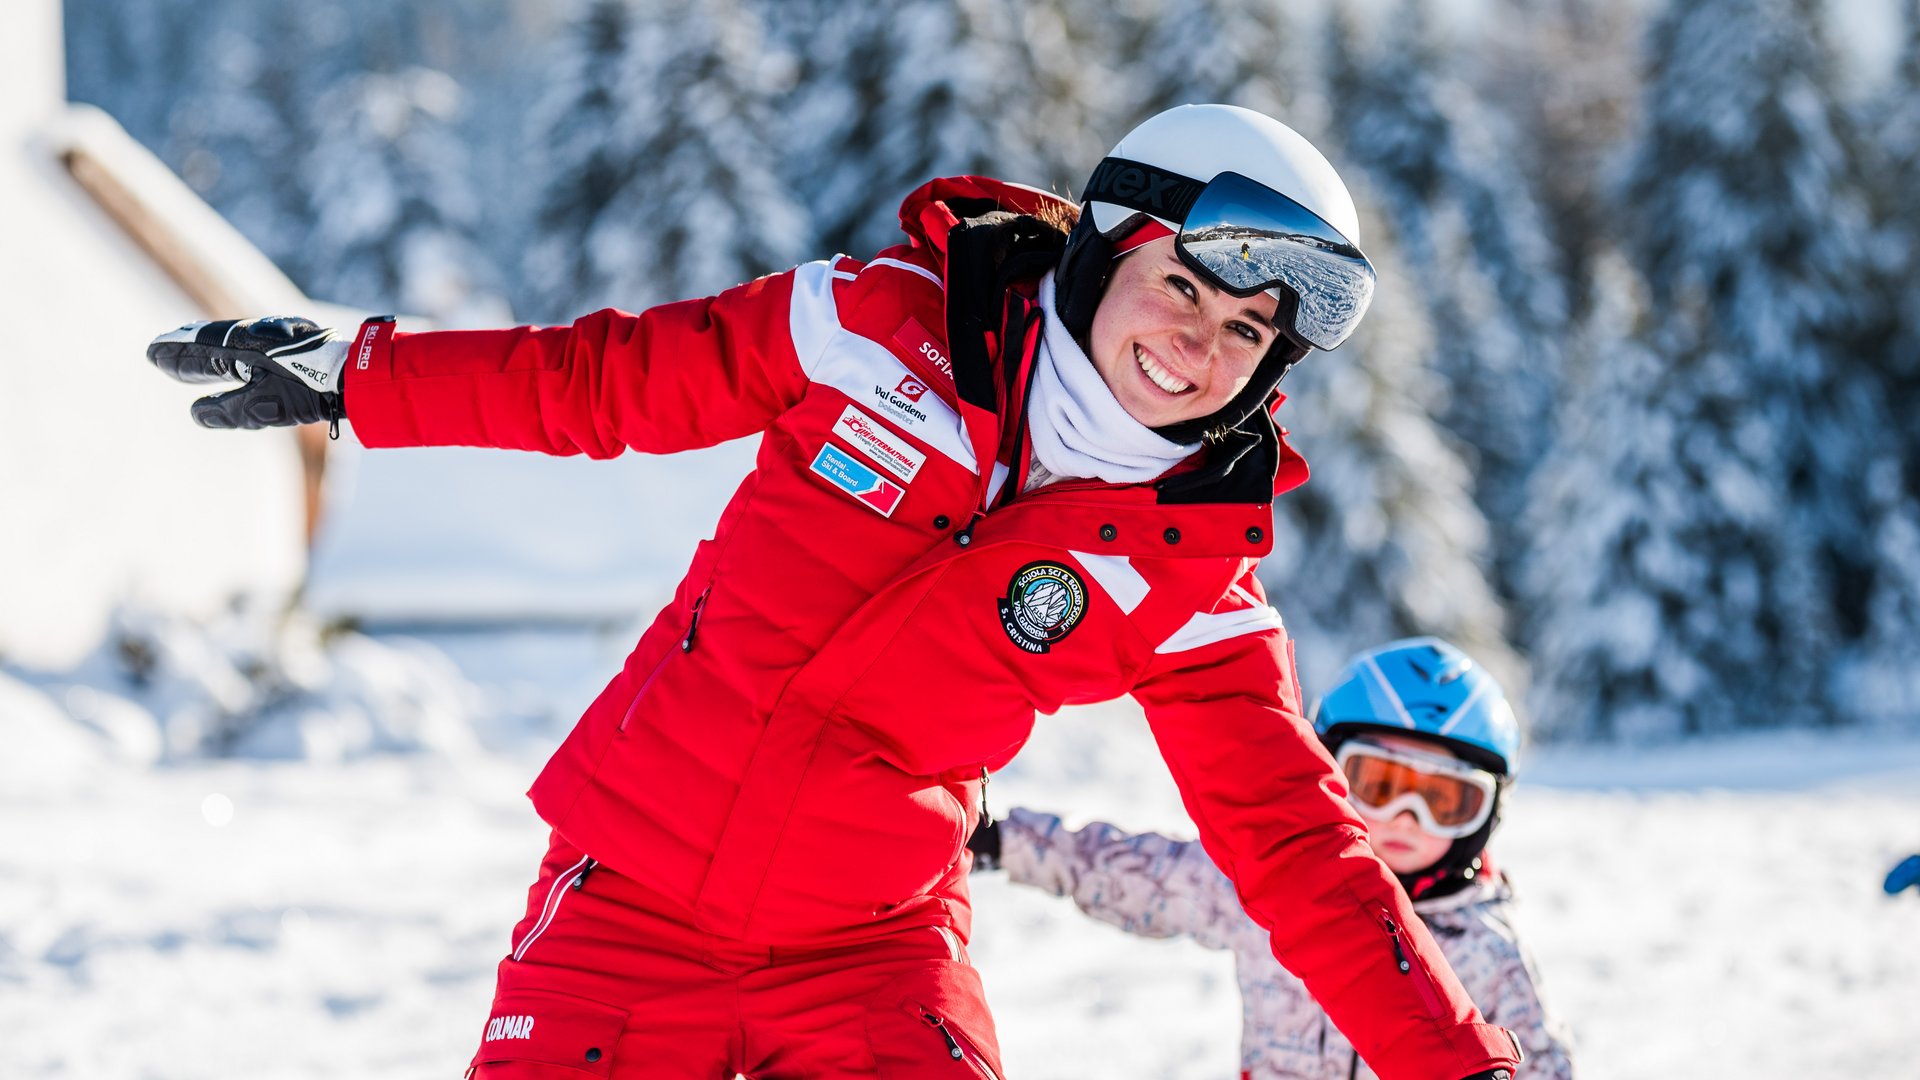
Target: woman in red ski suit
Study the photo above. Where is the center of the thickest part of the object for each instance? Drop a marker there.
(759, 859)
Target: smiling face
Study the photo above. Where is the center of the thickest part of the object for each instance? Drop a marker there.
(1170, 346)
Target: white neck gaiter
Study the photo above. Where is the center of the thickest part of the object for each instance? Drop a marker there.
(1078, 428)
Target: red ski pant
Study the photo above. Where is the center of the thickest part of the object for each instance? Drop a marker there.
(607, 980)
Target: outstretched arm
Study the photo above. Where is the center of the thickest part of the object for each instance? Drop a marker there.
(1144, 883)
(1271, 809)
(674, 377)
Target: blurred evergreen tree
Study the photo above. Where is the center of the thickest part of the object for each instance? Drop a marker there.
(394, 219)
(663, 164)
(979, 87)
(1471, 235)
(1235, 52)
(243, 120)
(1883, 680)
(1701, 556)
(1385, 541)
(588, 156)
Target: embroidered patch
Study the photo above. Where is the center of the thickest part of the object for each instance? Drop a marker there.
(846, 472)
(1044, 602)
(878, 443)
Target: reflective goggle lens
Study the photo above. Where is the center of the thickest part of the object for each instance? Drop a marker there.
(1455, 804)
(1247, 237)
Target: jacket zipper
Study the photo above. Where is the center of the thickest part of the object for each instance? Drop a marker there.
(686, 646)
(693, 623)
(1421, 983)
(955, 1048)
(986, 818)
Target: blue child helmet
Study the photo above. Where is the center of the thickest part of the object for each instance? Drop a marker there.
(1423, 686)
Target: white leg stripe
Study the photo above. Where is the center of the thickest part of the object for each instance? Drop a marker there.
(548, 910)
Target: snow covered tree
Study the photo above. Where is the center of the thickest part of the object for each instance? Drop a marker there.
(831, 116)
(1883, 680)
(1564, 73)
(587, 144)
(239, 131)
(987, 87)
(393, 217)
(1385, 540)
(675, 122)
(1469, 230)
(1236, 52)
(1624, 641)
(1698, 550)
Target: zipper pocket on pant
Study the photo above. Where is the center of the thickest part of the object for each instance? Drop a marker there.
(958, 1048)
(1403, 957)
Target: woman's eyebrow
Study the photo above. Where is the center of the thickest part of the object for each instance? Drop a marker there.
(1259, 318)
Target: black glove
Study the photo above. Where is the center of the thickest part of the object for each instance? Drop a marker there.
(290, 367)
(985, 844)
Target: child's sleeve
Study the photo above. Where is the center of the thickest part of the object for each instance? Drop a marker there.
(1143, 883)
(1506, 985)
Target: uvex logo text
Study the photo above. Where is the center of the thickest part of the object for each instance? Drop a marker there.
(1142, 186)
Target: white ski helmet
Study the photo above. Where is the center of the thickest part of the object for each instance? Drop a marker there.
(1255, 208)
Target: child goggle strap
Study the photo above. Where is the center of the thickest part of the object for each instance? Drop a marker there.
(1449, 798)
(1246, 238)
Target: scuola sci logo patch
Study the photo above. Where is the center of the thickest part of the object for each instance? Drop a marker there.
(1044, 602)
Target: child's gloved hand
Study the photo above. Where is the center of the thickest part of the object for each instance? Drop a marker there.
(1904, 875)
(985, 844)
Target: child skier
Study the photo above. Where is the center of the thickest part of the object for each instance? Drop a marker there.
(1425, 740)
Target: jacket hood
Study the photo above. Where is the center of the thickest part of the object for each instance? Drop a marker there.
(935, 207)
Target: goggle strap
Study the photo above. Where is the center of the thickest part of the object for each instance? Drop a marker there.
(1142, 187)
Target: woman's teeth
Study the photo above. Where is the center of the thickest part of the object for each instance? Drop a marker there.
(1160, 376)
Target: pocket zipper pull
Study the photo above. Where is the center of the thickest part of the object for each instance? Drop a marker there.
(953, 1045)
(693, 623)
(1399, 954)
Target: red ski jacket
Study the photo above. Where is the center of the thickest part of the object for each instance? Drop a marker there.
(794, 753)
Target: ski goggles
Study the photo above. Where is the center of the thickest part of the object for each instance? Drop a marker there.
(1448, 797)
(1247, 238)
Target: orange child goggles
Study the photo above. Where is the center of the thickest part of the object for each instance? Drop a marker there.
(1448, 797)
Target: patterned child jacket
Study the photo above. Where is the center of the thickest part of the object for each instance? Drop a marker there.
(1149, 885)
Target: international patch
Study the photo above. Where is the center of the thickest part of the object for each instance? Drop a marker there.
(847, 473)
(1044, 602)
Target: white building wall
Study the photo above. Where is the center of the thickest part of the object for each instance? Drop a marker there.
(107, 489)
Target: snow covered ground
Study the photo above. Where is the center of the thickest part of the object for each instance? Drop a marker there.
(1713, 910)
